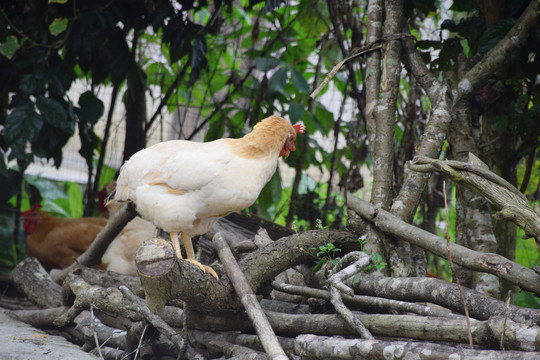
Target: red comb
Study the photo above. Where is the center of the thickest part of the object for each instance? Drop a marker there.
(299, 128)
(32, 210)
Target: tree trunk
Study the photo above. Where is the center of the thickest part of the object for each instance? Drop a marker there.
(135, 103)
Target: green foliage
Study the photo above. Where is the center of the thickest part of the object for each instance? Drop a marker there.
(528, 255)
(9, 46)
(62, 202)
(91, 109)
(72, 204)
(11, 252)
(22, 125)
(58, 26)
(326, 253)
(377, 261)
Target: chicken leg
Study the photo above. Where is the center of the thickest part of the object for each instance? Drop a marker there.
(189, 252)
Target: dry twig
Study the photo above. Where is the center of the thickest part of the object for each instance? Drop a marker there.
(92, 256)
(367, 301)
(139, 306)
(337, 287)
(505, 318)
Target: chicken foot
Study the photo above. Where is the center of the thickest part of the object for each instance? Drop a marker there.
(186, 240)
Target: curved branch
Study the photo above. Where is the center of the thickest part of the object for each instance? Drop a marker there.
(415, 65)
(501, 53)
(495, 264)
(92, 256)
(513, 204)
(410, 194)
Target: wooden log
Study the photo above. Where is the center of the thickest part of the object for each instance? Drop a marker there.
(31, 279)
(249, 300)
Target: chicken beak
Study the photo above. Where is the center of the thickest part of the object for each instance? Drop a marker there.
(287, 152)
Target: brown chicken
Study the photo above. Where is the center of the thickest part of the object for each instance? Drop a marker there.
(56, 242)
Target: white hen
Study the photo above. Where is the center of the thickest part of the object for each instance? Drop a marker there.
(184, 187)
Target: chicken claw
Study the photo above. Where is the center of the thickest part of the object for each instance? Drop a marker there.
(204, 268)
(190, 253)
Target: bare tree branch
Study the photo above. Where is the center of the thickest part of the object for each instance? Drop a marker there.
(513, 204)
(373, 63)
(322, 347)
(94, 253)
(501, 53)
(249, 300)
(495, 264)
(367, 301)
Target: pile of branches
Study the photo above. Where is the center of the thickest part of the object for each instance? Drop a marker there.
(268, 303)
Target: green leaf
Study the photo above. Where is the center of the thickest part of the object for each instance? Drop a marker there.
(319, 264)
(299, 82)
(58, 1)
(265, 64)
(46, 188)
(198, 57)
(58, 26)
(463, 5)
(376, 257)
(22, 124)
(55, 209)
(91, 108)
(53, 113)
(9, 47)
(307, 184)
(324, 119)
(107, 174)
(10, 185)
(278, 81)
(3, 166)
(296, 112)
(216, 129)
(89, 143)
(271, 193)
(73, 203)
(335, 261)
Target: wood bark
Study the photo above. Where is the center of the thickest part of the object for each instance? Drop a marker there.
(513, 205)
(486, 333)
(385, 112)
(30, 278)
(495, 264)
(83, 296)
(445, 294)
(165, 279)
(94, 253)
(360, 302)
(311, 346)
(249, 300)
